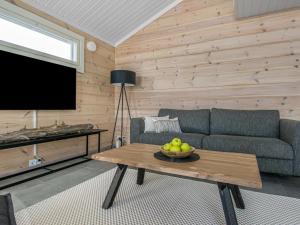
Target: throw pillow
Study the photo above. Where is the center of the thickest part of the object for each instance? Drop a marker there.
(170, 125)
(149, 122)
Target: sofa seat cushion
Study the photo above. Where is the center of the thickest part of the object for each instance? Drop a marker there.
(162, 138)
(255, 123)
(261, 147)
(191, 121)
(279, 166)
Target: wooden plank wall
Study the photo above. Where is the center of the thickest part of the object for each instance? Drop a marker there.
(195, 56)
(199, 56)
(95, 104)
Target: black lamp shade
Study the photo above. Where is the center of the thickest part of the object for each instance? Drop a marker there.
(119, 77)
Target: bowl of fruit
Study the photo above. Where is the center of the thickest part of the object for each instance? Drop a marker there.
(177, 149)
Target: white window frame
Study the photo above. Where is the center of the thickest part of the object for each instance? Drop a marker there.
(22, 17)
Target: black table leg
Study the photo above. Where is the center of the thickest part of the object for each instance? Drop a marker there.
(87, 145)
(114, 187)
(140, 176)
(227, 204)
(99, 142)
(237, 196)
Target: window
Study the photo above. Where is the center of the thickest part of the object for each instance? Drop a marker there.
(27, 34)
(22, 36)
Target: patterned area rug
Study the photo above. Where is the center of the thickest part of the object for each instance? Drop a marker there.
(161, 199)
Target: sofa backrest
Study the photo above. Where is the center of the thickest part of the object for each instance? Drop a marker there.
(191, 121)
(258, 123)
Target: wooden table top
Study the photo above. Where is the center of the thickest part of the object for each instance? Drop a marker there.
(233, 168)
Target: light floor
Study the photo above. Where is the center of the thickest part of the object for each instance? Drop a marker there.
(34, 191)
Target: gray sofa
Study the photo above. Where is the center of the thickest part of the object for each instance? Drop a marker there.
(275, 141)
(7, 216)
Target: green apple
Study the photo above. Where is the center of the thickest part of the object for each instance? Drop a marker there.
(175, 148)
(176, 142)
(185, 147)
(167, 147)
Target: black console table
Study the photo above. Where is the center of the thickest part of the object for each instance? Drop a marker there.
(46, 139)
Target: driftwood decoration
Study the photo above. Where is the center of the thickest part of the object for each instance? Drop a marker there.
(36, 133)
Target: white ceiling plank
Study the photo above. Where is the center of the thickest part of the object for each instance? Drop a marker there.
(112, 21)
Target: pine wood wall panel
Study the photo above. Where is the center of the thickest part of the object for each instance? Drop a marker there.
(198, 55)
(14, 160)
(95, 104)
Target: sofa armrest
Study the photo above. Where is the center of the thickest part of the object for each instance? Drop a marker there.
(290, 133)
(7, 216)
(137, 127)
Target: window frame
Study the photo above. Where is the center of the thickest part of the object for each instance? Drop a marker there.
(29, 20)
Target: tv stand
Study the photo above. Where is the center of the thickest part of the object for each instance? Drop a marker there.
(58, 137)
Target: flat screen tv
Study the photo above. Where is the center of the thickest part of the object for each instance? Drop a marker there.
(27, 83)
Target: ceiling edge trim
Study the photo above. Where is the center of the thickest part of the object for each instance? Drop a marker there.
(150, 20)
(93, 34)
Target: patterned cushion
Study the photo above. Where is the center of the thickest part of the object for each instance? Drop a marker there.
(260, 146)
(191, 121)
(256, 123)
(171, 125)
(149, 122)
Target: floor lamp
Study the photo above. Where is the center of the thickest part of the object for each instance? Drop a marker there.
(121, 78)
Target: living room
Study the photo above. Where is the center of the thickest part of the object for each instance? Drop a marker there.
(150, 112)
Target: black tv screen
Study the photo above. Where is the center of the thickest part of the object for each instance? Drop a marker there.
(27, 83)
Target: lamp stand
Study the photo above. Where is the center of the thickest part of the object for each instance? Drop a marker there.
(121, 100)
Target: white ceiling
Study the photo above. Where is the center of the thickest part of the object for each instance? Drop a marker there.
(112, 21)
(247, 8)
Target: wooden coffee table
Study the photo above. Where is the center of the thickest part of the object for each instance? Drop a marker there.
(229, 170)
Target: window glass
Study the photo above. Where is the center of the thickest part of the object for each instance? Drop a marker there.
(23, 36)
